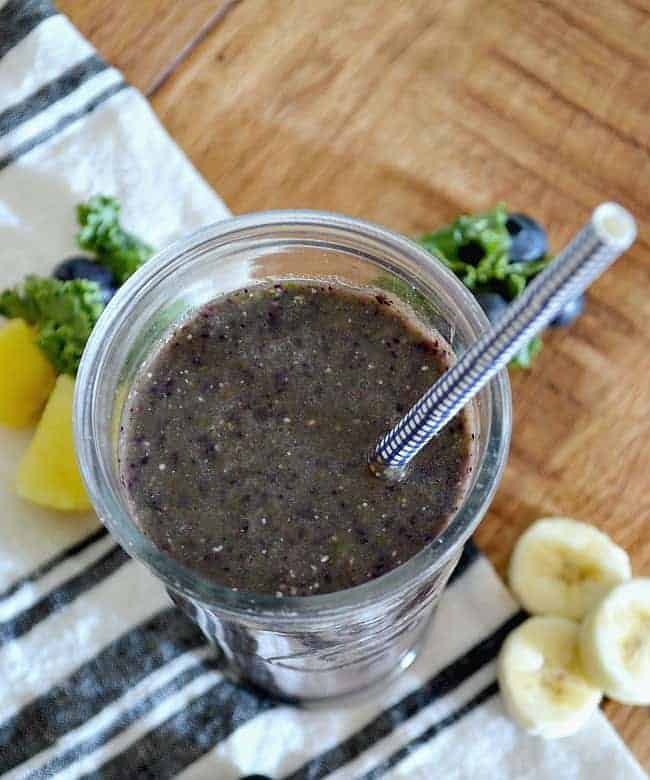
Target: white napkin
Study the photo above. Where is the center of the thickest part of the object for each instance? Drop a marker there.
(99, 674)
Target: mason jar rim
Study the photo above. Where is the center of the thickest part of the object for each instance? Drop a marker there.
(110, 504)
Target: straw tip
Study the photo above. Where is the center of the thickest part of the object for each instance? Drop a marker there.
(385, 471)
(615, 226)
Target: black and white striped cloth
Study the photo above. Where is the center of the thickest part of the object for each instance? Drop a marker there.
(99, 675)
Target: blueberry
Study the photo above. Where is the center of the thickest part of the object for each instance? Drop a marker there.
(83, 268)
(570, 313)
(471, 252)
(527, 239)
(255, 777)
(492, 304)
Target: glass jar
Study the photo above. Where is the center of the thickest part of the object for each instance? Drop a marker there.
(311, 647)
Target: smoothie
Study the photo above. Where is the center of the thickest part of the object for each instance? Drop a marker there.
(244, 441)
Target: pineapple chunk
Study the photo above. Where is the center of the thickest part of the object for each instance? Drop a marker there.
(26, 375)
(48, 473)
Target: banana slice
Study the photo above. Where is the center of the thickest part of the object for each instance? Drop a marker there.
(563, 567)
(615, 643)
(541, 680)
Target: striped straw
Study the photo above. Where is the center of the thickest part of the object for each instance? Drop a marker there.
(610, 231)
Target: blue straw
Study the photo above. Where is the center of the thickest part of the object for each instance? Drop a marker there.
(610, 231)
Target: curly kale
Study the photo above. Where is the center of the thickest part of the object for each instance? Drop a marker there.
(63, 313)
(475, 247)
(102, 234)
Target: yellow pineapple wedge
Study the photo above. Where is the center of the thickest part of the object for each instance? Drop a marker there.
(48, 474)
(26, 375)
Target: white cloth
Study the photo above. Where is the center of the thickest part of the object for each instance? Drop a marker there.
(98, 673)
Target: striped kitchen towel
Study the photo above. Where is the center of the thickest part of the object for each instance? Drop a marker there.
(99, 675)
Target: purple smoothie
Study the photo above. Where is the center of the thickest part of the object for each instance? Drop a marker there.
(245, 438)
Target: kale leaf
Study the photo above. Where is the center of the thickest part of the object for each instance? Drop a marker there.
(64, 314)
(102, 234)
(475, 247)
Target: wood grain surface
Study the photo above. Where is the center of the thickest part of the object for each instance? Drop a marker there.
(407, 113)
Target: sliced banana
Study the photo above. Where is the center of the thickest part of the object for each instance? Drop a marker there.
(542, 684)
(615, 643)
(563, 567)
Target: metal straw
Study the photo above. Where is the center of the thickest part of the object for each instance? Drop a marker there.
(610, 231)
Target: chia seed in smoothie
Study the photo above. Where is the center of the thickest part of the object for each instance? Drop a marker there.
(244, 441)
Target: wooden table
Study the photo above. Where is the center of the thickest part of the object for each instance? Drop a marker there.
(407, 113)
